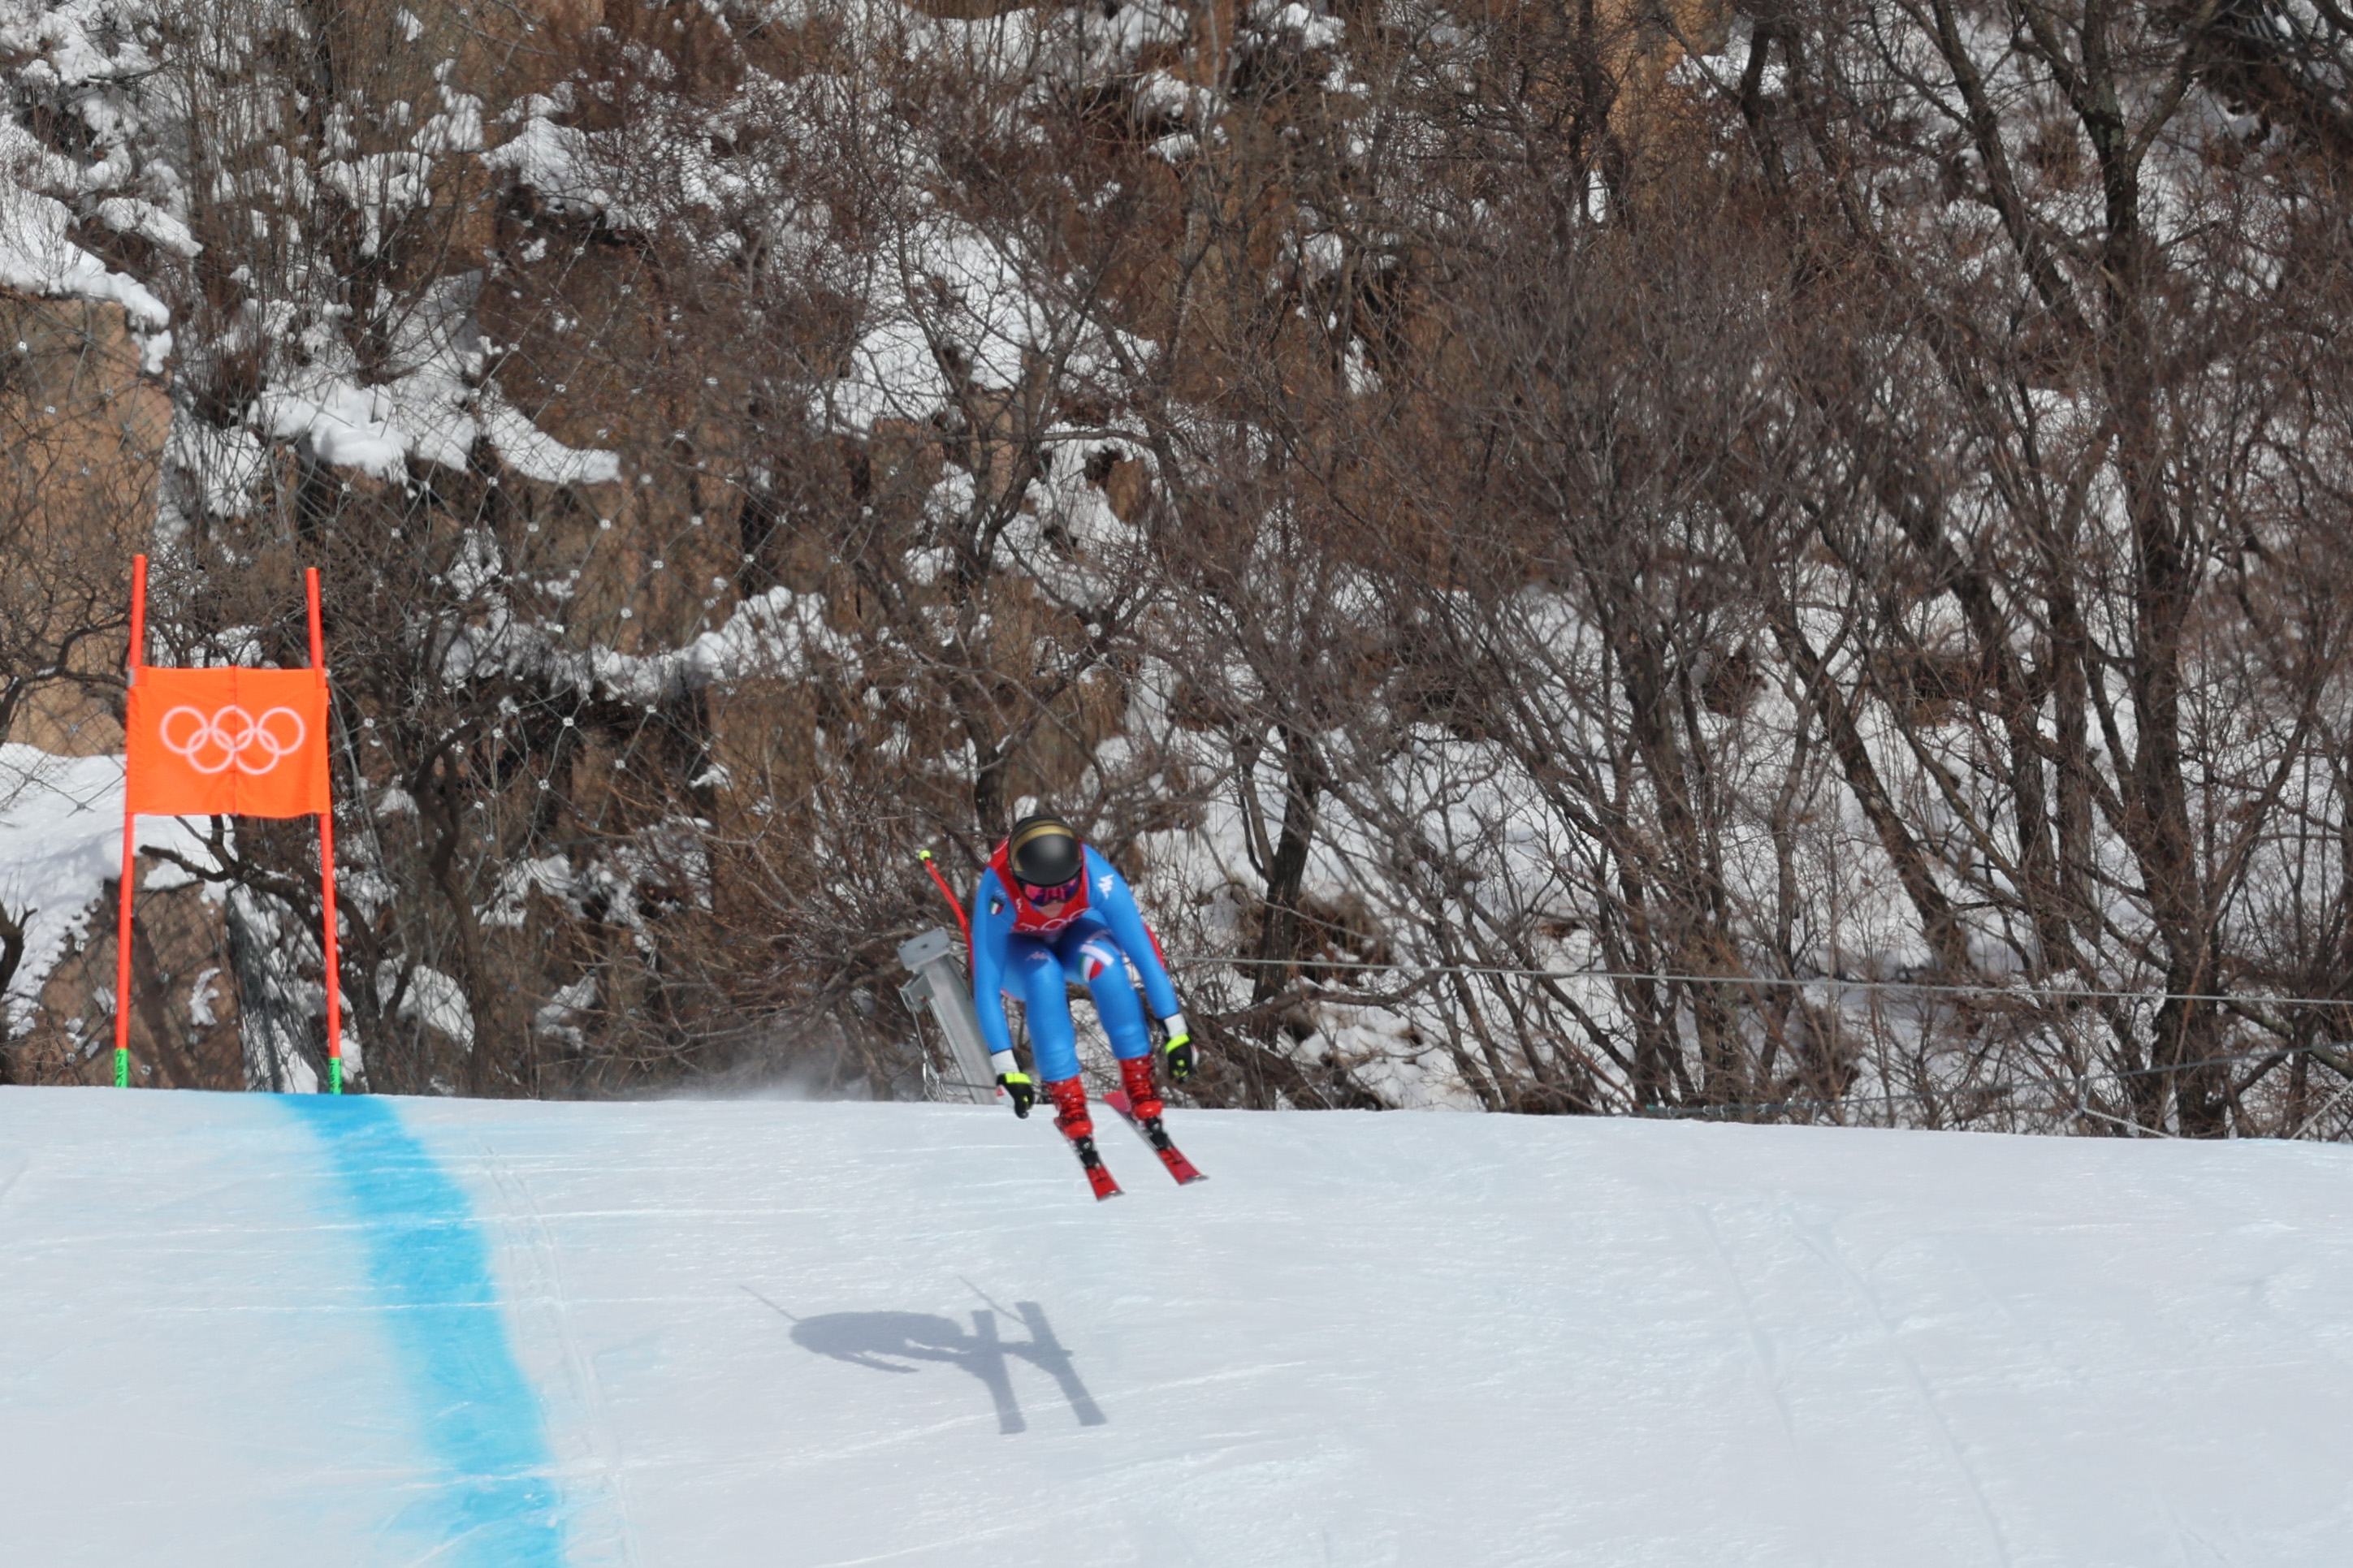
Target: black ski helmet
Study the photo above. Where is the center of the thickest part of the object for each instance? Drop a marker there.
(1043, 851)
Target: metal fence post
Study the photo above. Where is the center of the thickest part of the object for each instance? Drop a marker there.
(939, 981)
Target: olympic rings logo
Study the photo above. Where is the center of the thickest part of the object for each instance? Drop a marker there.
(232, 738)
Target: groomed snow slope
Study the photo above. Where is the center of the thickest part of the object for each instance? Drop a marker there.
(248, 1331)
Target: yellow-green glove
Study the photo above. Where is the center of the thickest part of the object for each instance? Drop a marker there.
(1178, 1050)
(1018, 1086)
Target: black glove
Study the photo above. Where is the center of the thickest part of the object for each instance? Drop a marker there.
(1179, 1055)
(1021, 1088)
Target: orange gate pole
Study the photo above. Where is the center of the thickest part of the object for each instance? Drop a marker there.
(136, 656)
(327, 870)
(949, 894)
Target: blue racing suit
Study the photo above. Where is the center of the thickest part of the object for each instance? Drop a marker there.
(1018, 951)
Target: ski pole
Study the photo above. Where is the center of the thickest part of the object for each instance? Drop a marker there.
(948, 893)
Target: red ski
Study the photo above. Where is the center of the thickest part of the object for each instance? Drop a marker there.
(1170, 1156)
(1098, 1174)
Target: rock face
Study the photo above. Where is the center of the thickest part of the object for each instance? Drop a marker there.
(83, 430)
(83, 434)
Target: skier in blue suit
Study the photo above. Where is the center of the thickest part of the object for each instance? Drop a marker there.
(1050, 910)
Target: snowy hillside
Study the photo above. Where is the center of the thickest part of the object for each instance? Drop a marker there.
(250, 1331)
(1558, 600)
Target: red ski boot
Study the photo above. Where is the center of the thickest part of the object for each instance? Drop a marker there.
(1142, 1106)
(1070, 1097)
(1143, 1094)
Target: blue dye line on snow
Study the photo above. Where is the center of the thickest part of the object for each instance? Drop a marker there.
(494, 1506)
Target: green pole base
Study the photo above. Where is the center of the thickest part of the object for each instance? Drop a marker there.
(121, 1067)
(335, 1074)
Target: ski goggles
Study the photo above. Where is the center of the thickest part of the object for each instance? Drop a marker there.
(1060, 895)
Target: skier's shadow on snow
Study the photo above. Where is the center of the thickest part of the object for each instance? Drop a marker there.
(887, 1341)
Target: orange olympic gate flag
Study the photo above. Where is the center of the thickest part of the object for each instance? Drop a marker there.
(232, 742)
